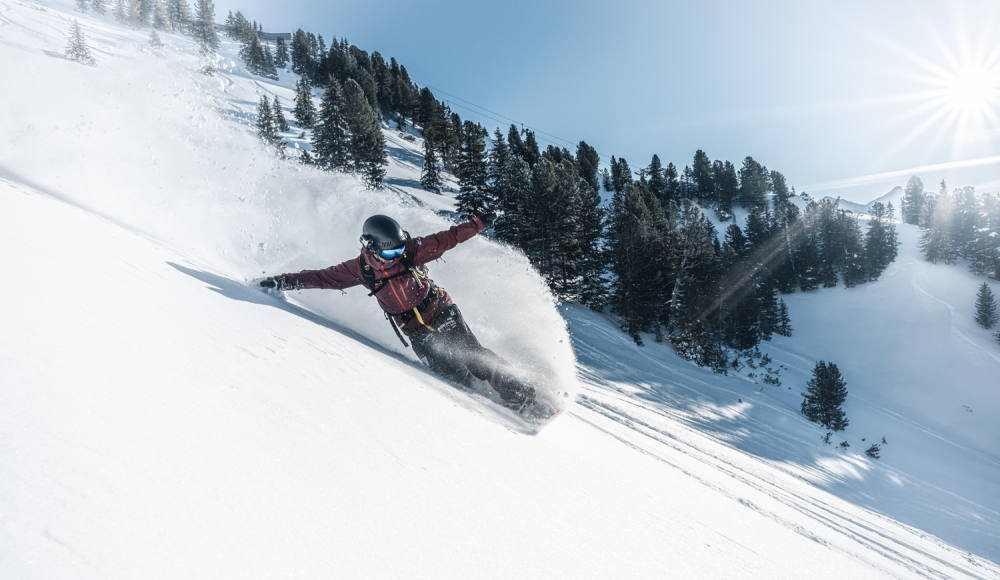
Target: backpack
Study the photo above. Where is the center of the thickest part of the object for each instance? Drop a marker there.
(419, 272)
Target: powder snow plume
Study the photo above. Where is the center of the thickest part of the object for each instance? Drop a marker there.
(148, 142)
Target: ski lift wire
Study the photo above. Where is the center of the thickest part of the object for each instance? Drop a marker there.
(499, 115)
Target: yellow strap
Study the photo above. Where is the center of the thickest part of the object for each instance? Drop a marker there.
(417, 312)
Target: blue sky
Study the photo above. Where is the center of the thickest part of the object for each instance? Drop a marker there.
(843, 98)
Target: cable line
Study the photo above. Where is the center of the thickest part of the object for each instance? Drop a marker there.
(500, 115)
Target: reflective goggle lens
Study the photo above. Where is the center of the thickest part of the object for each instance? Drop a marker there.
(391, 254)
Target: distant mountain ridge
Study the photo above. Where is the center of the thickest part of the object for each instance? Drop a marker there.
(895, 196)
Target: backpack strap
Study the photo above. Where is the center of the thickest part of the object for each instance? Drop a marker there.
(369, 276)
(419, 274)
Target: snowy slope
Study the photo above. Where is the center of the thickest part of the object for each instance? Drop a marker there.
(159, 418)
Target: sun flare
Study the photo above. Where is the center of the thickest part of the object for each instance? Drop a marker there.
(972, 90)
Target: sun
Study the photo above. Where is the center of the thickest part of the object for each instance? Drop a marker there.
(953, 94)
(972, 90)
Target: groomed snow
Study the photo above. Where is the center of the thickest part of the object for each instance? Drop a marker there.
(158, 418)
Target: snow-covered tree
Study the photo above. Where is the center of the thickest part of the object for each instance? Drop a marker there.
(280, 52)
(430, 173)
(203, 29)
(121, 12)
(368, 153)
(267, 127)
(161, 19)
(99, 6)
(207, 58)
(154, 39)
(82, 5)
(331, 136)
(278, 115)
(270, 70)
(986, 307)
(304, 110)
(784, 321)
(824, 396)
(180, 15)
(474, 196)
(76, 47)
(136, 13)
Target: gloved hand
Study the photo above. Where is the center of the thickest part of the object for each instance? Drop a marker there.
(488, 219)
(278, 283)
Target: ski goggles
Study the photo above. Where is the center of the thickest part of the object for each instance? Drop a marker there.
(392, 254)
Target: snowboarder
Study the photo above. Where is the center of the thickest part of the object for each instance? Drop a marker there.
(392, 266)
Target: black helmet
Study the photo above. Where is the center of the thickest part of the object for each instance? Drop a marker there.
(381, 232)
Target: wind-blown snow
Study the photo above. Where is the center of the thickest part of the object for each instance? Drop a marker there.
(158, 418)
(146, 142)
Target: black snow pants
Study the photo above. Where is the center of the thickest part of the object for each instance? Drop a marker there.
(454, 353)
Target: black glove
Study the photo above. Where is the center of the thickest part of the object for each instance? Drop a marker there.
(278, 283)
(488, 219)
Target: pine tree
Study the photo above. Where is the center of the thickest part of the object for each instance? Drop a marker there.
(270, 70)
(913, 200)
(267, 128)
(207, 59)
(146, 9)
(851, 261)
(510, 183)
(879, 242)
(592, 260)
(76, 47)
(280, 52)
(657, 181)
(161, 19)
(121, 12)
(279, 116)
(99, 6)
(779, 187)
(824, 397)
(531, 153)
(300, 53)
(331, 138)
(82, 5)
(367, 151)
(136, 12)
(986, 307)
(727, 188)
(701, 170)
(689, 253)
(673, 183)
(430, 174)
(230, 27)
(936, 239)
(474, 197)
(179, 12)
(633, 244)
(588, 161)
(755, 184)
(784, 321)
(203, 29)
(154, 39)
(304, 110)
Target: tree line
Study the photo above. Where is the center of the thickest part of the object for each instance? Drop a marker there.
(955, 224)
(173, 16)
(652, 256)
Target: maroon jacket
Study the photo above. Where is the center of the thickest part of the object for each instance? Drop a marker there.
(400, 294)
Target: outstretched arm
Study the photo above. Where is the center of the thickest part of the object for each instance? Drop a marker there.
(344, 275)
(431, 247)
